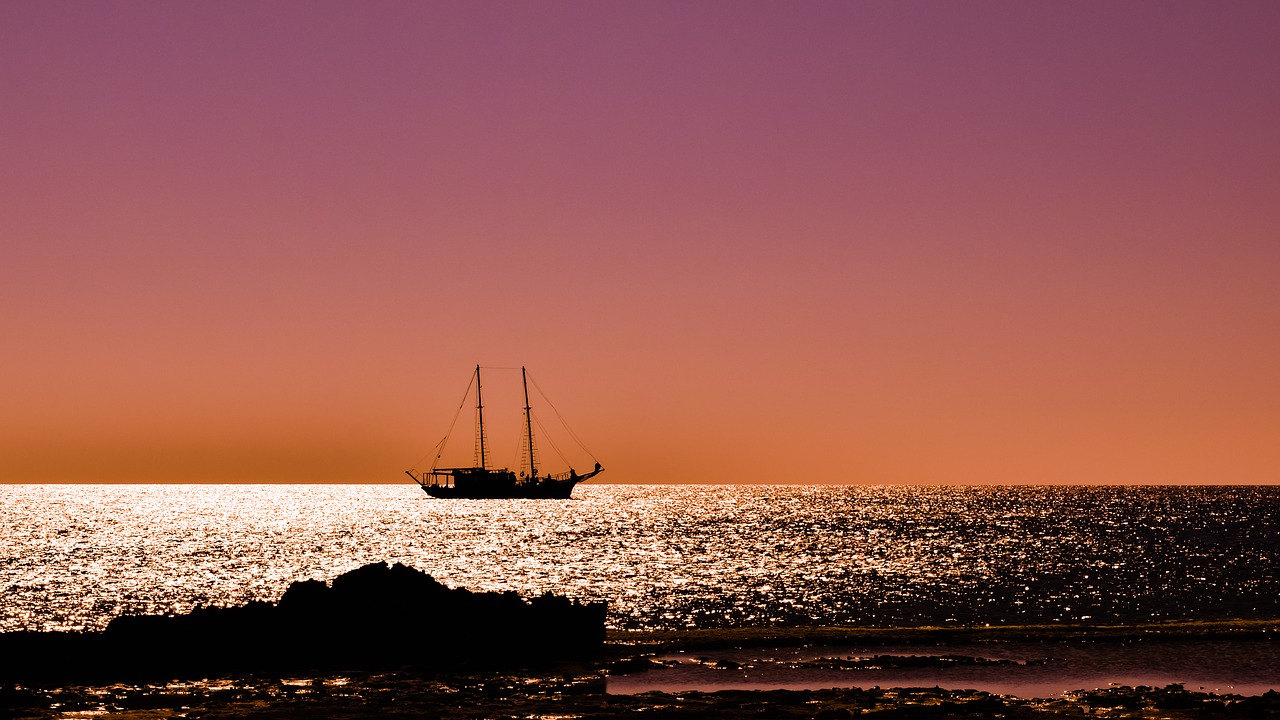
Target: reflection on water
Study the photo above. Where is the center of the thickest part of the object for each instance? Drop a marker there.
(1022, 669)
(664, 556)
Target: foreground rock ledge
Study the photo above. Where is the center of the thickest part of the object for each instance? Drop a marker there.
(372, 617)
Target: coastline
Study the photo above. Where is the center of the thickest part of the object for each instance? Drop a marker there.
(1028, 662)
(582, 689)
(695, 638)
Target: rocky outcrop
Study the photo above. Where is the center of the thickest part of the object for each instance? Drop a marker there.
(374, 616)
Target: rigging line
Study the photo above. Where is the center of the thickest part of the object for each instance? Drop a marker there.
(546, 437)
(418, 462)
(434, 448)
(440, 445)
(518, 455)
(563, 422)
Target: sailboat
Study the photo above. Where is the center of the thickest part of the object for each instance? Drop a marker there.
(484, 482)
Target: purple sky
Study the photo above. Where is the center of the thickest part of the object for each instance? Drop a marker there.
(743, 241)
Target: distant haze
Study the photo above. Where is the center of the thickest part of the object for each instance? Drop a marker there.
(845, 242)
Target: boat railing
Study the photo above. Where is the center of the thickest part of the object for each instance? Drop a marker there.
(438, 478)
(432, 478)
(561, 477)
(572, 475)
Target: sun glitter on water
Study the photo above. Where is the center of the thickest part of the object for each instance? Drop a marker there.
(663, 556)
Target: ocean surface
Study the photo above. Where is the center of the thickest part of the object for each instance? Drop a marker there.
(74, 556)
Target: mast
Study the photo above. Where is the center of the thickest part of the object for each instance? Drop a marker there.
(480, 412)
(528, 422)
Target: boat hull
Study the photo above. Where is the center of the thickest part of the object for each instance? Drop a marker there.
(484, 484)
(530, 491)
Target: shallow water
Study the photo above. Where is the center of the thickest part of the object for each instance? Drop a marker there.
(1021, 669)
(663, 556)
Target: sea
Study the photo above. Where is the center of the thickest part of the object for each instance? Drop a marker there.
(663, 556)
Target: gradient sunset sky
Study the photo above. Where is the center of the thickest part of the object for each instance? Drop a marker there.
(848, 242)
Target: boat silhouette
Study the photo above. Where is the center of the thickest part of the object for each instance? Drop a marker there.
(484, 482)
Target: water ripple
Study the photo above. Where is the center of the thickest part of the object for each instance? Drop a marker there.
(664, 556)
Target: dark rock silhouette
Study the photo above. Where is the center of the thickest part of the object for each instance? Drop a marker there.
(374, 616)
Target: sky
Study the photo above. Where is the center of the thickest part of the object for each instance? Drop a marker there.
(735, 242)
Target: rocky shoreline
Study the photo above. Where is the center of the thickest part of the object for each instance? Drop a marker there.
(578, 692)
(376, 616)
(389, 641)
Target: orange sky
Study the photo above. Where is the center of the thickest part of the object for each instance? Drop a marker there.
(899, 242)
